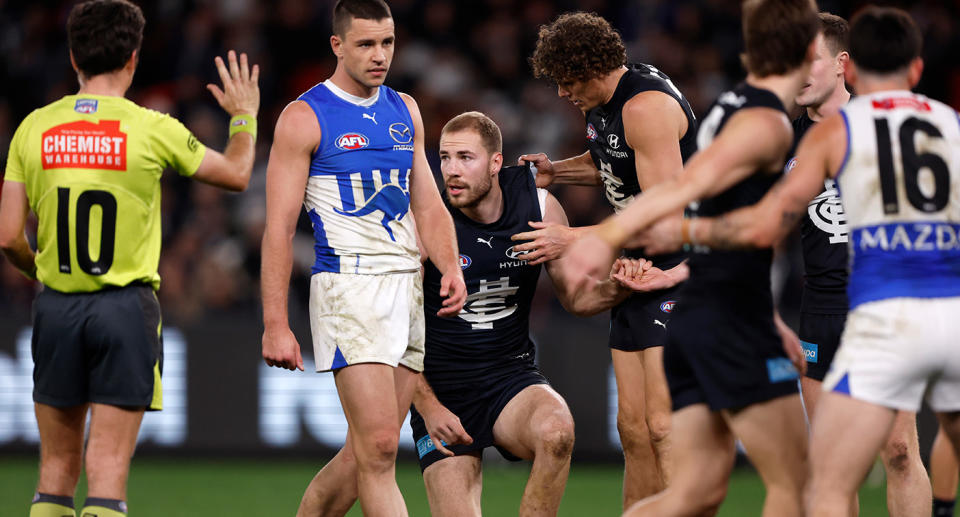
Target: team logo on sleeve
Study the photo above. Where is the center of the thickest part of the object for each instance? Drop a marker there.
(85, 106)
(465, 262)
(352, 141)
(84, 145)
(591, 132)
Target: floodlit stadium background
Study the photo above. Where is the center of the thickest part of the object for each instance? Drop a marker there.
(451, 56)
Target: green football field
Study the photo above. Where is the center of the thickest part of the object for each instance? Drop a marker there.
(205, 487)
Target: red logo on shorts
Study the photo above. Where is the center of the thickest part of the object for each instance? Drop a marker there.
(85, 145)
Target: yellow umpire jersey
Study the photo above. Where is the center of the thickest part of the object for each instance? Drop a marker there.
(91, 165)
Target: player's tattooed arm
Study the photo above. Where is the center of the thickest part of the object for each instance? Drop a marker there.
(578, 170)
(442, 425)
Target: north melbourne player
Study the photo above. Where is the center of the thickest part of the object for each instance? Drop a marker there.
(639, 131)
(89, 167)
(823, 305)
(350, 151)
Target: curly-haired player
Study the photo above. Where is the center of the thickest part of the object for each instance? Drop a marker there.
(640, 130)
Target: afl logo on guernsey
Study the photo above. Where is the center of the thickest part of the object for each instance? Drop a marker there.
(591, 132)
(667, 306)
(465, 262)
(352, 141)
(85, 106)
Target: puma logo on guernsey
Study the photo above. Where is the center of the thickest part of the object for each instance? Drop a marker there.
(392, 200)
(371, 117)
(658, 322)
(487, 242)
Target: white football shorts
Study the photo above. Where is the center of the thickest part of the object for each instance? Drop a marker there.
(357, 318)
(896, 352)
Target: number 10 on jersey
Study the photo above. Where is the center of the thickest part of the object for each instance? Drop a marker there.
(86, 201)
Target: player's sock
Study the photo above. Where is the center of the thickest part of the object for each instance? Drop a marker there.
(943, 507)
(47, 505)
(101, 507)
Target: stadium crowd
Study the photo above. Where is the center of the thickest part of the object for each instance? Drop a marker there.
(455, 56)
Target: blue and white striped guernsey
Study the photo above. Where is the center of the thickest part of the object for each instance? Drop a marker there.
(358, 192)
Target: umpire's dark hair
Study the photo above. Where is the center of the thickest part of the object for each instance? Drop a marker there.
(883, 39)
(103, 34)
(344, 11)
(777, 34)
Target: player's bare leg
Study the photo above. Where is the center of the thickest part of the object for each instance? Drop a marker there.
(454, 486)
(703, 457)
(536, 424)
(61, 448)
(847, 436)
(367, 394)
(775, 437)
(641, 476)
(908, 487)
(110, 446)
(657, 396)
(943, 469)
(334, 489)
(811, 390)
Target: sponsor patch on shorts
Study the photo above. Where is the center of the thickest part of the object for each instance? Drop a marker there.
(425, 445)
(810, 351)
(780, 369)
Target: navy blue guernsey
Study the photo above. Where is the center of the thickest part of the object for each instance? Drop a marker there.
(823, 236)
(615, 159)
(491, 334)
(741, 274)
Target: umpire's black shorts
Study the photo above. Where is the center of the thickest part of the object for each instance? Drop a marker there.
(477, 406)
(103, 347)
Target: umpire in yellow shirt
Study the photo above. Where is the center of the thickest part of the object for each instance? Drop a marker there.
(89, 166)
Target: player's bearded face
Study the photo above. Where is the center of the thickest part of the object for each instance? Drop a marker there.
(822, 78)
(466, 168)
(367, 50)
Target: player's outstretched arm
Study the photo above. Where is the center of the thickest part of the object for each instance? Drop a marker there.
(547, 241)
(764, 224)
(433, 221)
(14, 207)
(296, 135)
(578, 170)
(240, 98)
(598, 296)
(754, 139)
(442, 425)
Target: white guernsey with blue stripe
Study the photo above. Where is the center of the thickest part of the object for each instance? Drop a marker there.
(358, 192)
(900, 184)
